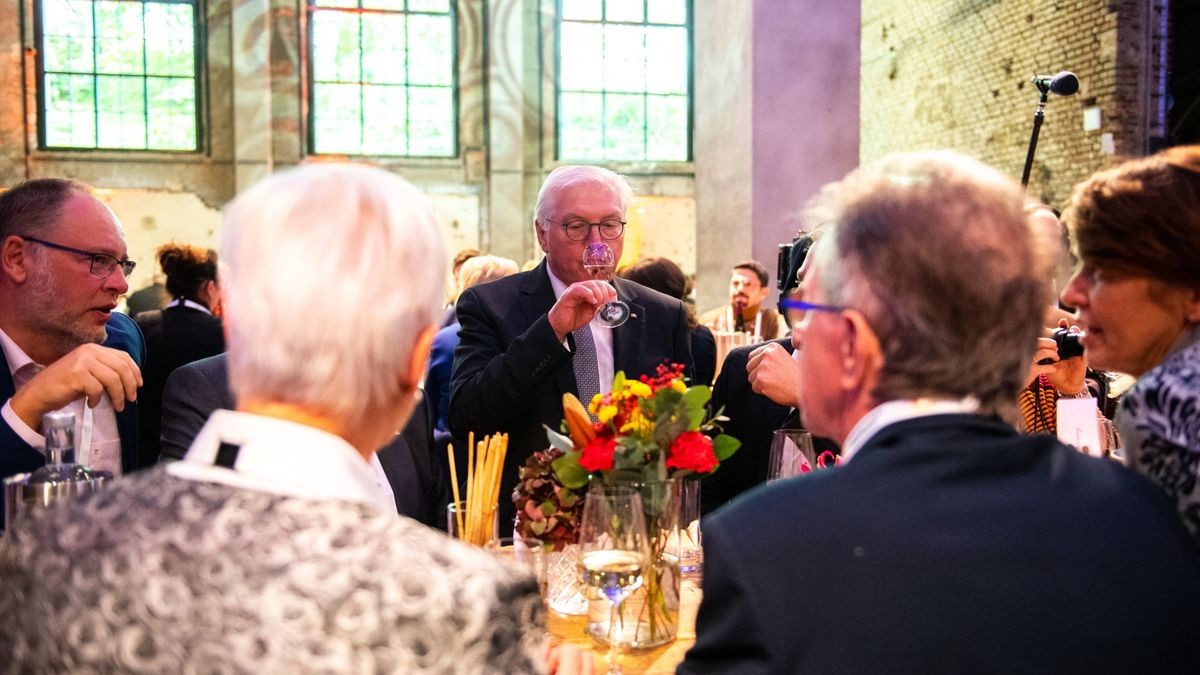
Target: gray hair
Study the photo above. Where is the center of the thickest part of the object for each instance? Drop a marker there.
(935, 251)
(574, 174)
(331, 272)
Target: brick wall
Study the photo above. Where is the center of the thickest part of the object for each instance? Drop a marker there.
(956, 74)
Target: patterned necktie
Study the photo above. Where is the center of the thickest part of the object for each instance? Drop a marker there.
(587, 373)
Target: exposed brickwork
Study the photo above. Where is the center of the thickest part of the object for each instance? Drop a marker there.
(956, 74)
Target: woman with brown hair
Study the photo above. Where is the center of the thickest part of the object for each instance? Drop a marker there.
(186, 330)
(1136, 231)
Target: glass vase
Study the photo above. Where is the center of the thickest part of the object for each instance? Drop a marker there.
(649, 617)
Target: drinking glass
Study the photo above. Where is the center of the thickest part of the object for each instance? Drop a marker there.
(791, 451)
(526, 552)
(599, 261)
(613, 551)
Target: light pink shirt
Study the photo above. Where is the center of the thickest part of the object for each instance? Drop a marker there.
(97, 441)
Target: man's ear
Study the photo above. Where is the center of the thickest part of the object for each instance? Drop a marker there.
(14, 259)
(541, 235)
(419, 359)
(859, 352)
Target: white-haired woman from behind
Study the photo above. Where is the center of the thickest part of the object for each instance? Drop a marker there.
(271, 547)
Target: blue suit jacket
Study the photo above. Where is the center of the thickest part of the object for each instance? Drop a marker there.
(950, 544)
(17, 456)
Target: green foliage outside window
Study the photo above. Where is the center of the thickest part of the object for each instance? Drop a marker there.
(383, 77)
(624, 90)
(118, 74)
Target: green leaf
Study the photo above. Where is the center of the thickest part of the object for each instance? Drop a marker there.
(560, 441)
(569, 473)
(695, 401)
(724, 446)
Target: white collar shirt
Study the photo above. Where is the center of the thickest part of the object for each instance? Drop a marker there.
(184, 302)
(97, 439)
(280, 457)
(602, 335)
(887, 414)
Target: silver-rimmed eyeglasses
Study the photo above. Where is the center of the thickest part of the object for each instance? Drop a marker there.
(579, 229)
(102, 264)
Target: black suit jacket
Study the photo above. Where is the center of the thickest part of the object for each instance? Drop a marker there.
(415, 472)
(174, 336)
(17, 456)
(950, 544)
(510, 371)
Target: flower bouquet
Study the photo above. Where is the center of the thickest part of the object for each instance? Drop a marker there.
(646, 434)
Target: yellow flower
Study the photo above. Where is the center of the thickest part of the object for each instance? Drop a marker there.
(595, 403)
(679, 386)
(640, 389)
(606, 413)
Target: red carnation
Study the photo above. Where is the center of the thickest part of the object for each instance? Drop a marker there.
(693, 451)
(597, 455)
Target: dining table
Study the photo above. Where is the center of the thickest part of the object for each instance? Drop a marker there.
(663, 659)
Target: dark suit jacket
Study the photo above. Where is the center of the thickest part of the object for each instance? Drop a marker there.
(17, 456)
(174, 336)
(950, 544)
(415, 472)
(510, 371)
(704, 354)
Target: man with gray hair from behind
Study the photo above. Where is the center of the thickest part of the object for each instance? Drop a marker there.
(946, 542)
(269, 547)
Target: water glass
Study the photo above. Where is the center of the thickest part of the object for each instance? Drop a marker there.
(791, 454)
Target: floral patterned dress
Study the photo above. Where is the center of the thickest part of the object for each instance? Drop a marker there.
(1159, 422)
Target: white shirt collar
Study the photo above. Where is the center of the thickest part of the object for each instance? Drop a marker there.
(184, 302)
(13, 354)
(281, 457)
(891, 412)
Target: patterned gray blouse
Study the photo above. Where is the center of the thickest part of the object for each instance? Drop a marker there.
(165, 575)
(1159, 422)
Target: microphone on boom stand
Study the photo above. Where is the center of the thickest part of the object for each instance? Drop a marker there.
(1062, 84)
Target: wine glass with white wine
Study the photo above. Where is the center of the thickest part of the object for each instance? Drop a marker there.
(613, 551)
(600, 261)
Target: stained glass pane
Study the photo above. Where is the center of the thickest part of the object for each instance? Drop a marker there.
(667, 11)
(581, 128)
(624, 126)
(623, 10)
(383, 49)
(119, 44)
(582, 10)
(666, 60)
(338, 115)
(431, 122)
(582, 49)
(119, 74)
(624, 58)
(171, 45)
(666, 127)
(335, 47)
(67, 35)
(430, 42)
(624, 90)
(172, 112)
(385, 116)
(70, 111)
(395, 69)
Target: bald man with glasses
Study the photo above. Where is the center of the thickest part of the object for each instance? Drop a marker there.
(63, 265)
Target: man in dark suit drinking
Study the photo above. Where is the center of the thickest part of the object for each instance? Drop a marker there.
(529, 338)
(946, 541)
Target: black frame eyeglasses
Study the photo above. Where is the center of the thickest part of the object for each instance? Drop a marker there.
(104, 263)
(578, 229)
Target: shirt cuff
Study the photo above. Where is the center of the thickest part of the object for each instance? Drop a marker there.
(33, 438)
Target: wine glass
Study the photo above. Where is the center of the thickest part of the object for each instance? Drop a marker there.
(599, 261)
(613, 551)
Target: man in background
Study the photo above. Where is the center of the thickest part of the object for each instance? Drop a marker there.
(749, 286)
(62, 268)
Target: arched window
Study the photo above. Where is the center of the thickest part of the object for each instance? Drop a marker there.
(382, 75)
(118, 74)
(624, 80)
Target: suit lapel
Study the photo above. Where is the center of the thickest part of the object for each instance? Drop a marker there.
(7, 389)
(628, 336)
(537, 297)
